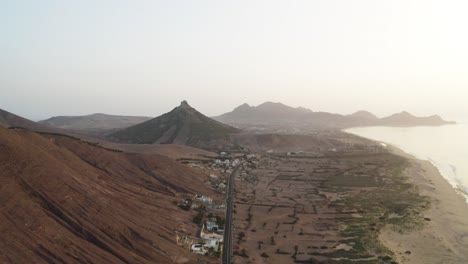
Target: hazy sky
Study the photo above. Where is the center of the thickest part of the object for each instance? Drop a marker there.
(144, 57)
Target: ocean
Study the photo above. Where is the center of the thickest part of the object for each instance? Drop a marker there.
(446, 147)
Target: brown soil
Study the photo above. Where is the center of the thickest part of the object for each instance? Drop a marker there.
(325, 207)
(168, 150)
(66, 201)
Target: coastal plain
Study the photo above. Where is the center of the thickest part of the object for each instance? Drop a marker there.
(354, 202)
(443, 239)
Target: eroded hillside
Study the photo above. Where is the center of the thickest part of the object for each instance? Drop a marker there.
(66, 201)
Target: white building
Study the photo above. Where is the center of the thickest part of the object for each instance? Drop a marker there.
(203, 199)
(198, 249)
(211, 243)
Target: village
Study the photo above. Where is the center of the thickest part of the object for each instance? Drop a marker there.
(210, 213)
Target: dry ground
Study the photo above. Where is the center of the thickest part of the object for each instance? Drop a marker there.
(326, 208)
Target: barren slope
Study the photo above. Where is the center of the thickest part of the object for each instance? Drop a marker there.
(8, 119)
(65, 201)
(183, 126)
(94, 122)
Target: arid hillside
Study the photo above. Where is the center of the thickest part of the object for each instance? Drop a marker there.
(66, 201)
(94, 122)
(169, 150)
(8, 119)
(183, 125)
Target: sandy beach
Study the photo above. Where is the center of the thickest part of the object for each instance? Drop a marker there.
(444, 237)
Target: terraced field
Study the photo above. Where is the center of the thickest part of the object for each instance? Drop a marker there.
(324, 208)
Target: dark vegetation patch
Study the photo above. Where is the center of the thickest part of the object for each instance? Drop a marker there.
(391, 201)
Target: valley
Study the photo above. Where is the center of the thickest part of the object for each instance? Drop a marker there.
(172, 188)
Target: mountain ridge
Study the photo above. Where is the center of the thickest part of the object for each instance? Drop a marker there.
(273, 114)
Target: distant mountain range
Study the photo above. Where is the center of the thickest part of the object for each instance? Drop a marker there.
(186, 126)
(280, 115)
(94, 122)
(183, 125)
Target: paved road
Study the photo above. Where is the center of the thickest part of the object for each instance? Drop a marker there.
(227, 245)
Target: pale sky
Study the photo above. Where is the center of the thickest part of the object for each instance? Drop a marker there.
(144, 57)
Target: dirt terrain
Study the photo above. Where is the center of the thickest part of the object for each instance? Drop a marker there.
(168, 150)
(66, 201)
(324, 207)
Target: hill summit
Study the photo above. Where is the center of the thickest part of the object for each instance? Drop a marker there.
(184, 125)
(94, 122)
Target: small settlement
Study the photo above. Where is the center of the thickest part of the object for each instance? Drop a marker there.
(210, 217)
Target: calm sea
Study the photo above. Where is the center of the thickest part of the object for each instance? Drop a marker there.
(446, 147)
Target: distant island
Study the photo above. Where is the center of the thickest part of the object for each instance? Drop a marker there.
(280, 115)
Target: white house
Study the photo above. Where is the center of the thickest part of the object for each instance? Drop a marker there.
(198, 249)
(203, 199)
(211, 230)
(211, 243)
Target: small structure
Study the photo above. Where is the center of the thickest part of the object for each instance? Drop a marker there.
(184, 240)
(203, 199)
(211, 231)
(211, 225)
(211, 235)
(211, 243)
(198, 249)
(235, 162)
(252, 156)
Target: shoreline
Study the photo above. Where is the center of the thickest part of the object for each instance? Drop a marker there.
(444, 237)
(457, 184)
